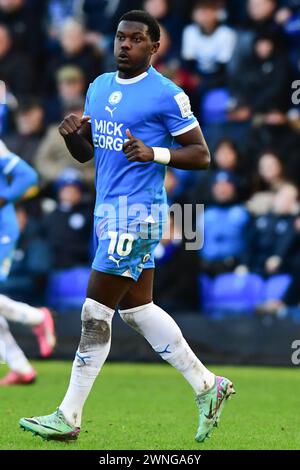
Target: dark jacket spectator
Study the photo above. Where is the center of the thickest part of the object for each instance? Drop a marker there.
(68, 229)
(264, 85)
(52, 155)
(30, 129)
(24, 19)
(70, 89)
(226, 157)
(271, 236)
(260, 19)
(15, 68)
(274, 132)
(74, 50)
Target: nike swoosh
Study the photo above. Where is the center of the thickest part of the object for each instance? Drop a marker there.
(210, 414)
(50, 427)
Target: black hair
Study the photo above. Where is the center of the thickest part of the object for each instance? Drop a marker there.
(207, 4)
(28, 103)
(141, 16)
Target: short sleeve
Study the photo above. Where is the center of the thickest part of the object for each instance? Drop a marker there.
(87, 111)
(176, 111)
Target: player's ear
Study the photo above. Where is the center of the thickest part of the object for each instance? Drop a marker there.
(155, 47)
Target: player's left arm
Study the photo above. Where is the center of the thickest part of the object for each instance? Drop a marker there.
(21, 175)
(193, 154)
(178, 119)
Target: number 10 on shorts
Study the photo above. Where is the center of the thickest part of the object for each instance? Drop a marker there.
(123, 245)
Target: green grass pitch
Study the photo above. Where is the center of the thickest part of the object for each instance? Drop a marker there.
(146, 406)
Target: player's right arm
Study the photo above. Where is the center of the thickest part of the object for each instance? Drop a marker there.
(78, 137)
(77, 132)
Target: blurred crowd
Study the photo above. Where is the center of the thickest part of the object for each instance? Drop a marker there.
(238, 60)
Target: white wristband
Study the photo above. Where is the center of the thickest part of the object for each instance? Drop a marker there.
(161, 155)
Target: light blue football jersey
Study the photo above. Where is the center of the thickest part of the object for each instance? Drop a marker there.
(9, 228)
(16, 177)
(155, 110)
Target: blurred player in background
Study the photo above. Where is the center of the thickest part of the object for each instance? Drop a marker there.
(131, 120)
(16, 177)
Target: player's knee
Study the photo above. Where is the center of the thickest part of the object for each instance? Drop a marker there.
(96, 325)
(133, 316)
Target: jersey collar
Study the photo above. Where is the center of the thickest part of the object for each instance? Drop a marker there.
(129, 81)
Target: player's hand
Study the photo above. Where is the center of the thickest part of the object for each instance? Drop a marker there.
(136, 151)
(72, 124)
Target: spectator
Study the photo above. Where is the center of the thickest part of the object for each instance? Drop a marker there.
(264, 85)
(275, 130)
(261, 20)
(74, 50)
(261, 15)
(57, 12)
(30, 129)
(15, 68)
(270, 172)
(225, 223)
(288, 17)
(31, 262)
(207, 46)
(226, 157)
(24, 21)
(70, 84)
(68, 228)
(168, 19)
(52, 156)
(271, 235)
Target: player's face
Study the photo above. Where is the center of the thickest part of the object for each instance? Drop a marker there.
(133, 48)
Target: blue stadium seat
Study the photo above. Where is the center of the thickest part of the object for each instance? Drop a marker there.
(232, 294)
(66, 289)
(214, 106)
(205, 286)
(276, 286)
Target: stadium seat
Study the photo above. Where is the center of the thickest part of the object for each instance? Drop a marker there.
(276, 286)
(232, 294)
(205, 288)
(214, 106)
(66, 290)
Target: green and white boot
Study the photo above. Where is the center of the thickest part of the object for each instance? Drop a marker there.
(54, 426)
(210, 406)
